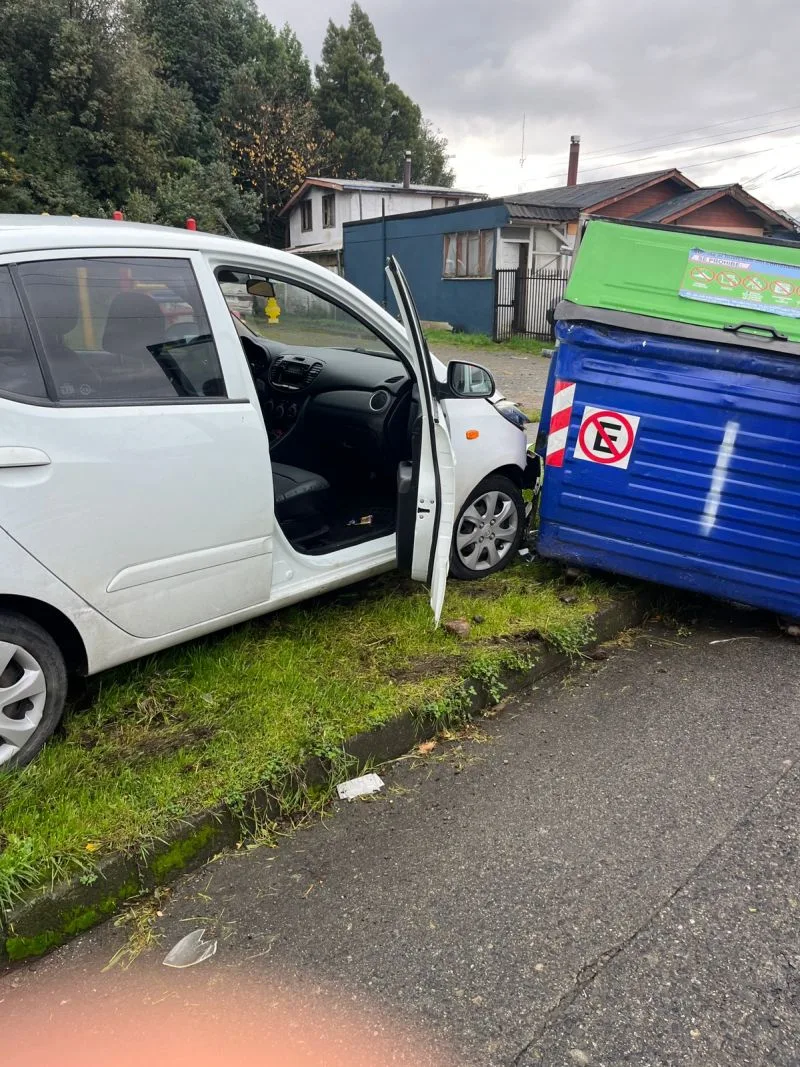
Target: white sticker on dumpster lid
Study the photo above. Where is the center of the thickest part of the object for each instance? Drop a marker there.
(606, 437)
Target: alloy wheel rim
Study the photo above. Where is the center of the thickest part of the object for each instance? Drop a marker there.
(487, 530)
(23, 693)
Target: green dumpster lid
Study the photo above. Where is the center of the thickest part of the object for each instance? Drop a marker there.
(689, 276)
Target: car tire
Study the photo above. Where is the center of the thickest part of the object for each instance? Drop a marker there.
(488, 530)
(29, 712)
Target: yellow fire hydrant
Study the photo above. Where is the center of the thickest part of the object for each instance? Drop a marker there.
(273, 311)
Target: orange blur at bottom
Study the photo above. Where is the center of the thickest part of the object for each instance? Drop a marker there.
(220, 1021)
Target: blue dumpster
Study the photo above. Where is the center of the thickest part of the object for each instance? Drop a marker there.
(674, 455)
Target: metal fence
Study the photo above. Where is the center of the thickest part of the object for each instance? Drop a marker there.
(522, 301)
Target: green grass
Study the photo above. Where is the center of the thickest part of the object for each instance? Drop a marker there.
(483, 340)
(150, 743)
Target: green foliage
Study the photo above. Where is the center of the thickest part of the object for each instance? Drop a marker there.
(172, 108)
(372, 120)
(482, 340)
(269, 121)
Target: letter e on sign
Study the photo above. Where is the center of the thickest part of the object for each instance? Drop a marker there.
(606, 437)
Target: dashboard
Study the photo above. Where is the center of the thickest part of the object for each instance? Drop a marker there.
(340, 397)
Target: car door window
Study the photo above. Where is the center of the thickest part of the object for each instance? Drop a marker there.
(125, 329)
(20, 373)
(297, 316)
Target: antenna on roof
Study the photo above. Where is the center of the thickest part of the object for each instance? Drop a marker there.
(522, 152)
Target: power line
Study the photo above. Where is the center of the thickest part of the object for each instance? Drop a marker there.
(724, 159)
(692, 129)
(741, 135)
(694, 148)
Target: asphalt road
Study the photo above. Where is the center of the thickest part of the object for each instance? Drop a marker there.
(607, 874)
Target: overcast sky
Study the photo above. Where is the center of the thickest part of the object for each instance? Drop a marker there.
(633, 78)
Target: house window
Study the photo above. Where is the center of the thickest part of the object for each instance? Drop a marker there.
(306, 216)
(329, 211)
(469, 254)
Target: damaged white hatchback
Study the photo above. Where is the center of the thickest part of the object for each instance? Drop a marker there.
(171, 464)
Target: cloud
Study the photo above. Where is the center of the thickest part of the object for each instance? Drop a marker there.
(628, 73)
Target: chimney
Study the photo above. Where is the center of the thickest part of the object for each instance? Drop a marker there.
(574, 152)
(407, 171)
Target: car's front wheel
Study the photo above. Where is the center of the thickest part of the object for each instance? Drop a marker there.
(489, 529)
(33, 688)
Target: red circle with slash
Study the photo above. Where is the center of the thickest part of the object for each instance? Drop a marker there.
(594, 422)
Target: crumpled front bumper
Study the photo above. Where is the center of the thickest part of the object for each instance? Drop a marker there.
(534, 471)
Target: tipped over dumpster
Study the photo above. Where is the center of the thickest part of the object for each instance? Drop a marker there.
(671, 422)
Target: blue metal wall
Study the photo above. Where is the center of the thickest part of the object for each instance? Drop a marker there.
(417, 241)
(710, 497)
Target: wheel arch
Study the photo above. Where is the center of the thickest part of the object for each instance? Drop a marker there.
(63, 631)
(510, 471)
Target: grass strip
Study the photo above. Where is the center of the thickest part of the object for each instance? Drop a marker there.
(205, 723)
(525, 345)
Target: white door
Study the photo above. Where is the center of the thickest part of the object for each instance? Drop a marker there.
(433, 477)
(133, 465)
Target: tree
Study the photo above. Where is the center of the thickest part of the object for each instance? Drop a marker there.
(169, 108)
(87, 123)
(372, 121)
(202, 42)
(272, 127)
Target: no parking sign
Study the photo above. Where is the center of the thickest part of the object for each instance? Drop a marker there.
(606, 437)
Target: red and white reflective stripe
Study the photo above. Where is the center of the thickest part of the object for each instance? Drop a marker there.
(560, 414)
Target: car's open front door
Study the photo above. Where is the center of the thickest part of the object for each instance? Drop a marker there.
(426, 486)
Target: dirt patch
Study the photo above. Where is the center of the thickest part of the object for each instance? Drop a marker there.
(139, 747)
(425, 668)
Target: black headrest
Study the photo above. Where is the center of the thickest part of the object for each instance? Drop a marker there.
(134, 320)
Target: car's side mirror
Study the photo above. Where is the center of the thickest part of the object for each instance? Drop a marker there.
(260, 287)
(468, 379)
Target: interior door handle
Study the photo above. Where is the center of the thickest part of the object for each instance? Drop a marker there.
(16, 456)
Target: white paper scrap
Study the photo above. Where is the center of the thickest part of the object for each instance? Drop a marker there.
(359, 787)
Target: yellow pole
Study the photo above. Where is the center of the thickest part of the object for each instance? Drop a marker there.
(86, 310)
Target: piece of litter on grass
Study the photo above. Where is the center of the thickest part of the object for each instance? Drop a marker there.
(190, 950)
(727, 640)
(359, 787)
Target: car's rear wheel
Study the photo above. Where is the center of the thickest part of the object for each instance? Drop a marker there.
(33, 688)
(489, 529)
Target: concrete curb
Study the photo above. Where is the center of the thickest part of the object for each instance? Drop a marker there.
(53, 916)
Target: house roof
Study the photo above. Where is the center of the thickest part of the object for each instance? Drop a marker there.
(678, 206)
(567, 201)
(366, 186)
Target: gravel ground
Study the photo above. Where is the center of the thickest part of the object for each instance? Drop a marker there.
(521, 378)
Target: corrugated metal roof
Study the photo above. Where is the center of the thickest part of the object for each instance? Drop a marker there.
(304, 250)
(537, 213)
(678, 203)
(393, 187)
(586, 194)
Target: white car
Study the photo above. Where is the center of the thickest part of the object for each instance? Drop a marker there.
(164, 475)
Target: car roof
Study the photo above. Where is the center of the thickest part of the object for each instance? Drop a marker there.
(33, 233)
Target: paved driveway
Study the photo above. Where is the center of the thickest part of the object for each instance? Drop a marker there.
(609, 873)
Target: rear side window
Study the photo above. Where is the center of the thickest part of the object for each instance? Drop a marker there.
(123, 329)
(20, 374)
